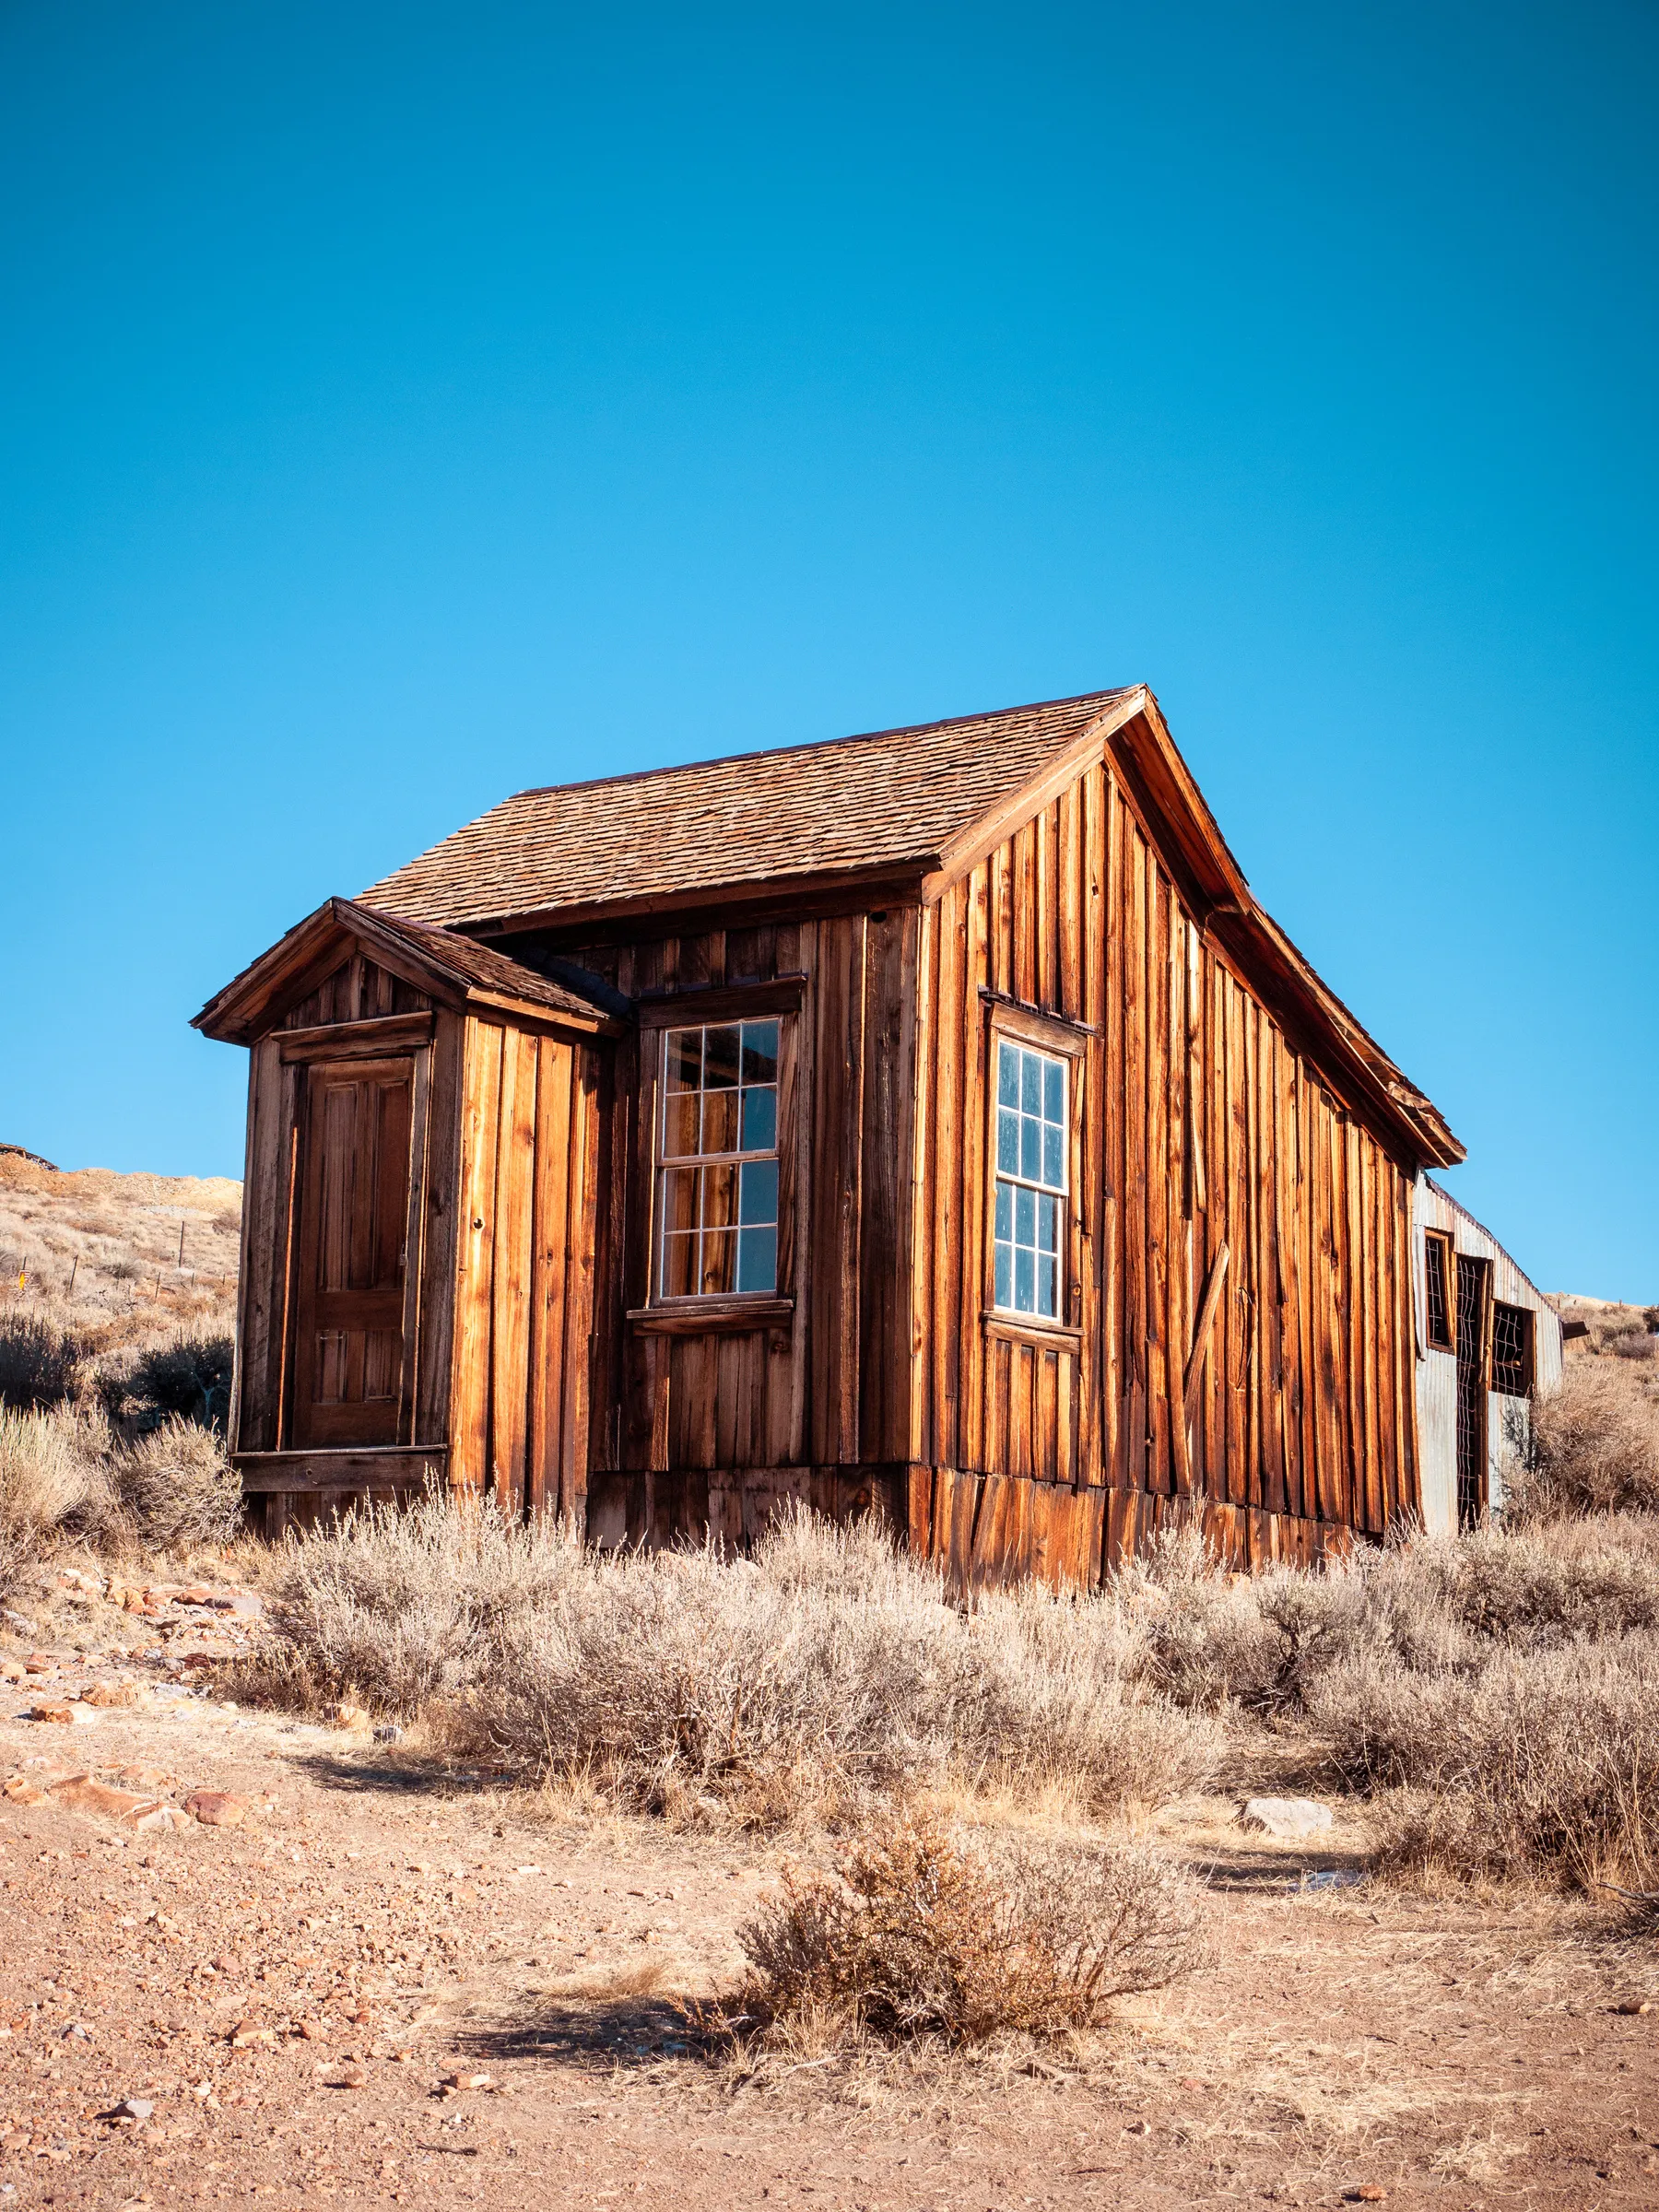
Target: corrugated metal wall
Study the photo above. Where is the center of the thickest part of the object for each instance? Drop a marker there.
(1507, 1417)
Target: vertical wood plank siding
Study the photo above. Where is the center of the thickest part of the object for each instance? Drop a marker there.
(520, 1389)
(1201, 1130)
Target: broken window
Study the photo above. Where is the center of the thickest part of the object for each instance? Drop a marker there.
(1437, 1303)
(1511, 1351)
(718, 1160)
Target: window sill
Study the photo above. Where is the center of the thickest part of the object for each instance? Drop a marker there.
(1030, 1327)
(704, 1316)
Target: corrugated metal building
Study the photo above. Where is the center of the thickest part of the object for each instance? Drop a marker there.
(1487, 1338)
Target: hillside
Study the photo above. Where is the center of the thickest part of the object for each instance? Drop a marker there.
(101, 1253)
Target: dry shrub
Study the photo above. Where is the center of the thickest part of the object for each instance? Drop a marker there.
(1543, 1763)
(176, 1488)
(1594, 1446)
(828, 1669)
(52, 1484)
(925, 1933)
(189, 1378)
(40, 1362)
(393, 1609)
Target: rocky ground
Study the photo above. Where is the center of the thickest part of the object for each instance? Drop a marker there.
(254, 1959)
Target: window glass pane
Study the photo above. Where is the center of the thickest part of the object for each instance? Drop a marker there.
(757, 1259)
(1054, 1091)
(679, 1266)
(721, 1056)
(719, 1197)
(1053, 1157)
(760, 1051)
(685, 1059)
(759, 1120)
(680, 1125)
(759, 1193)
(720, 1121)
(1007, 1076)
(1025, 1297)
(1030, 1148)
(719, 1261)
(1030, 1083)
(1004, 1275)
(1007, 1141)
(1048, 1276)
(679, 1198)
(1025, 1216)
(1048, 1225)
(1004, 1209)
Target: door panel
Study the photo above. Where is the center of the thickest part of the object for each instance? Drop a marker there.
(354, 1215)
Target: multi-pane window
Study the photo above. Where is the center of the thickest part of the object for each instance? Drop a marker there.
(1030, 1180)
(1511, 1351)
(719, 1160)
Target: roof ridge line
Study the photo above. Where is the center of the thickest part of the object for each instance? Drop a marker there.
(810, 744)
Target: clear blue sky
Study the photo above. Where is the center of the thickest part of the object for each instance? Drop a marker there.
(400, 405)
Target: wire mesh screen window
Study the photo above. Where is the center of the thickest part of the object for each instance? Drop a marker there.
(1511, 1351)
(1437, 1281)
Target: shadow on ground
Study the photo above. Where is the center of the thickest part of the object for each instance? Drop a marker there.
(635, 2032)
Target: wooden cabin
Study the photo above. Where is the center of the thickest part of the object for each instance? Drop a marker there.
(929, 1122)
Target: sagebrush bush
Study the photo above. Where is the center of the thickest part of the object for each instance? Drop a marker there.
(1595, 1447)
(398, 1607)
(1544, 1763)
(923, 1933)
(175, 1488)
(40, 1362)
(187, 1379)
(53, 1484)
(828, 1669)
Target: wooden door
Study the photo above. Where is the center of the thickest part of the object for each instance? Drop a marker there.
(351, 1377)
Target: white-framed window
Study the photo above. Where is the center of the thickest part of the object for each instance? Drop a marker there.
(1032, 1147)
(717, 1160)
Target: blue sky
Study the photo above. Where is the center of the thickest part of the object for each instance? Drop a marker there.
(403, 406)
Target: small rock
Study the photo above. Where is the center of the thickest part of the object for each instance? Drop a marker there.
(133, 2107)
(348, 2077)
(1368, 2192)
(456, 2083)
(82, 1794)
(157, 1820)
(247, 2032)
(68, 1713)
(1636, 2005)
(388, 1732)
(1290, 1818)
(26, 1793)
(313, 2032)
(216, 1808)
(11, 1670)
(348, 1716)
(109, 1694)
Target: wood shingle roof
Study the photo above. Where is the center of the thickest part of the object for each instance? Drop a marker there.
(850, 805)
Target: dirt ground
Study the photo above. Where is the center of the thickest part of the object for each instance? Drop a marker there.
(288, 1994)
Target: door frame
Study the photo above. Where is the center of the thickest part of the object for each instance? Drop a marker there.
(353, 1055)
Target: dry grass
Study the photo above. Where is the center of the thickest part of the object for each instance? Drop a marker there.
(925, 1933)
(1595, 1443)
(53, 1486)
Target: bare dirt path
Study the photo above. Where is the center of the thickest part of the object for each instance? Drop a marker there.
(287, 1996)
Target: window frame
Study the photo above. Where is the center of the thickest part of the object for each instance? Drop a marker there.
(1529, 1338)
(1006, 1021)
(1443, 1240)
(698, 1310)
